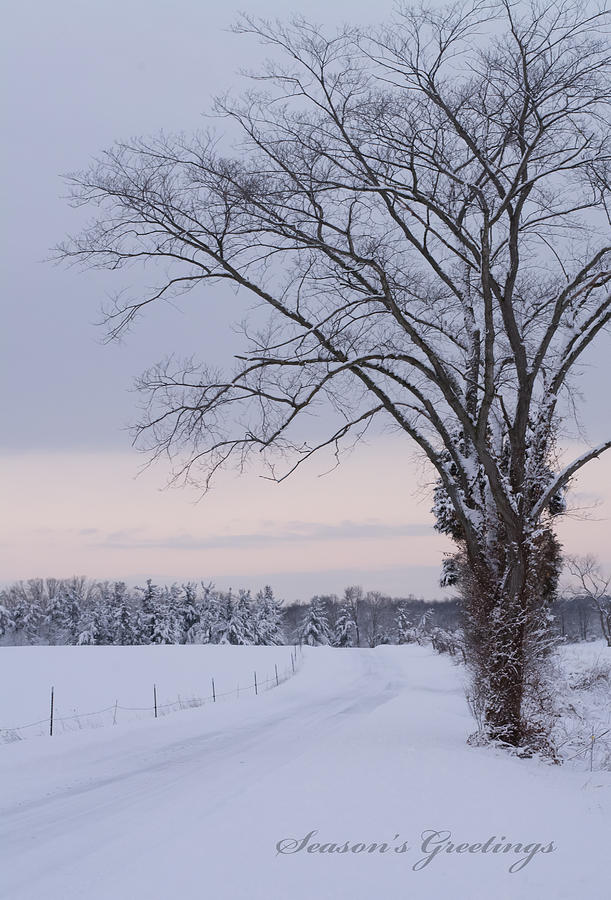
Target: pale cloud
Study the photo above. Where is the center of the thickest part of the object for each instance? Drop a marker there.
(270, 533)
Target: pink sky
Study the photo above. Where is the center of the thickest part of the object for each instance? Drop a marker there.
(367, 522)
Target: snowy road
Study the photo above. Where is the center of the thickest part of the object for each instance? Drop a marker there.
(361, 746)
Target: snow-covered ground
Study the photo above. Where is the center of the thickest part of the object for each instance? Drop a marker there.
(361, 747)
(89, 679)
(583, 730)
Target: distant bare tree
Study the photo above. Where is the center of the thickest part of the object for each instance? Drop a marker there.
(374, 603)
(589, 582)
(422, 210)
(353, 601)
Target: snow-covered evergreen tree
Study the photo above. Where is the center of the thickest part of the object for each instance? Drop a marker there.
(101, 614)
(27, 618)
(233, 625)
(245, 618)
(53, 618)
(145, 617)
(6, 621)
(203, 631)
(87, 636)
(120, 615)
(344, 634)
(187, 612)
(406, 632)
(315, 627)
(71, 614)
(267, 618)
(164, 623)
(224, 616)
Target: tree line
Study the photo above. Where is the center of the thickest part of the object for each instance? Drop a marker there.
(80, 611)
(88, 612)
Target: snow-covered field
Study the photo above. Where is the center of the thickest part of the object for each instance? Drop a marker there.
(88, 679)
(245, 799)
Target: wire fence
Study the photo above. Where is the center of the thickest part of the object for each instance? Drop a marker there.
(56, 723)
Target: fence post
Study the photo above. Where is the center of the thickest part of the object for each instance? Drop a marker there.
(213, 692)
(592, 752)
(155, 698)
(293, 663)
(256, 691)
(276, 671)
(51, 714)
(114, 716)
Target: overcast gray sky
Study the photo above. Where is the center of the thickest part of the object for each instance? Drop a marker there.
(77, 76)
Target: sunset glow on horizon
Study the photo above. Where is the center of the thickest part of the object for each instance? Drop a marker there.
(368, 522)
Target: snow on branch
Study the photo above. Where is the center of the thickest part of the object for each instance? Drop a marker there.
(565, 475)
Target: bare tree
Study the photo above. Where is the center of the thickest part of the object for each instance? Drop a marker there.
(584, 613)
(376, 604)
(590, 583)
(353, 601)
(420, 212)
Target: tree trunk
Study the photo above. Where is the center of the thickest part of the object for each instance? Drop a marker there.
(505, 677)
(508, 632)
